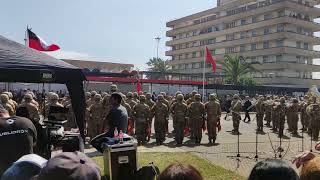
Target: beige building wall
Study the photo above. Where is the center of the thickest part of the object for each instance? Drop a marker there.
(276, 33)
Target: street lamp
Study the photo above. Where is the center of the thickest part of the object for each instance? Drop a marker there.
(158, 41)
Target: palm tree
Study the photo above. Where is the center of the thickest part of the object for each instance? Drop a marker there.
(158, 68)
(235, 68)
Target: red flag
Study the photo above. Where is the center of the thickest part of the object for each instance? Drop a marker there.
(210, 59)
(139, 86)
(35, 42)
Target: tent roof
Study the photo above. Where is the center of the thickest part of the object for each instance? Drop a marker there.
(16, 59)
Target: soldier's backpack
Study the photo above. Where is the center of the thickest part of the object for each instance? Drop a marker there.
(149, 172)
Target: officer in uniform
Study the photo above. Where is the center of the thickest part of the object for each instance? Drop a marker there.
(96, 116)
(53, 102)
(235, 109)
(113, 88)
(5, 103)
(275, 115)
(160, 113)
(281, 111)
(313, 111)
(304, 116)
(33, 112)
(141, 114)
(132, 103)
(91, 100)
(259, 113)
(136, 97)
(196, 115)
(268, 109)
(191, 99)
(179, 111)
(167, 103)
(213, 111)
(294, 111)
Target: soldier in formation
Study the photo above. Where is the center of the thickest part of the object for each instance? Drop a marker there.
(235, 110)
(179, 111)
(196, 115)
(96, 116)
(259, 113)
(160, 113)
(213, 111)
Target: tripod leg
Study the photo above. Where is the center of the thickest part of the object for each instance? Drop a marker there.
(256, 157)
(238, 155)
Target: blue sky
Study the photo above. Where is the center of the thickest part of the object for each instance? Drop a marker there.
(106, 30)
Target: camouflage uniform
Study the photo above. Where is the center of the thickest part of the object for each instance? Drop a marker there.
(313, 111)
(189, 101)
(136, 97)
(113, 88)
(53, 102)
(304, 116)
(160, 114)
(131, 103)
(213, 110)
(33, 111)
(294, 111)
(259, 113)
(141, 114)
(96, 116)
(274, 116)
(235, 109)
(281, 111)
(149, 101)
(5, 103)
(196, 115)
(268, 109)
(167, 103)
(179, 111)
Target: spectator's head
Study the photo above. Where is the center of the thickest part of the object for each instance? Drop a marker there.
(25, 168)
(180, 171)
(273, 169)
(28, 98)
(70, 166)
(311, 169)
(3, 112)
(115, 99)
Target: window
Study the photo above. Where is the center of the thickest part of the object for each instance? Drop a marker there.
(194, 54)
(279, 43)
(173, 57)
(186, 66)
(174, 67)
(211, 41)
(187, 56)
(253, 33)
(267, 30)
(253, 47)
(213, 52)
(230, 50)
(209, 29)
(299, 30)
(306, 46)
(243, 22)
(230, 37)
(279, 58)
(254, 19)
(242, 48)
(298, 59)
(181, 66)
(281, 13)
(194, 43)
(243, 35)
(280, 28)
(201, 53)
(180, 56)
(267, 16)
(266, 44)
(265, 59)
(194, 33)
(187, 45)
(298, 44)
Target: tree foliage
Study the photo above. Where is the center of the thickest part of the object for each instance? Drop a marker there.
(237, 69)
(158, 68)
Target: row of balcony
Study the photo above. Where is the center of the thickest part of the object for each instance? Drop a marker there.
(274, 4)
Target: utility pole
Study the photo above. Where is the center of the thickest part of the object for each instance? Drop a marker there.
(158, 41)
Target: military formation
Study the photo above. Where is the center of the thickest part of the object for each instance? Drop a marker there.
(190, 114)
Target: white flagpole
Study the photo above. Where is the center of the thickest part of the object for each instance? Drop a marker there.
(26, 39)
(204, 72)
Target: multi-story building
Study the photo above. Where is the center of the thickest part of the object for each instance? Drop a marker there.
(279, 34)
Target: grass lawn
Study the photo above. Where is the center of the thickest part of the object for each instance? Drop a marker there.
(162, 160)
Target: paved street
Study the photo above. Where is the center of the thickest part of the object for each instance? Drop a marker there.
(222, 153)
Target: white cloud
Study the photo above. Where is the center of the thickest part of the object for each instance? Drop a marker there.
(60, 54)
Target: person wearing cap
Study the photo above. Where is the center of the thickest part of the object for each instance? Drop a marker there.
(179, 111)
(136, 97)
(70, 166)
(213, 111)
(113, 88)
(117, 116)
(33, 112)
(25, 168)
(247, 104)
(259, 113)
(293, 111)
(281, 110)
(142, 118)
(313, 111)
(18, 137)
(235, 110)
(53, 102)
(96, 115)
(160, 113)
(196, 115)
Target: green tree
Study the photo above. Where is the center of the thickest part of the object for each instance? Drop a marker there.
(158, 68)
(237, 69)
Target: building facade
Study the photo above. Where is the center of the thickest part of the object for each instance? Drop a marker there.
(279, 34)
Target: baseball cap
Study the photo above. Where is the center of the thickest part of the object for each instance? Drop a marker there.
(70, 166)
(25, 168)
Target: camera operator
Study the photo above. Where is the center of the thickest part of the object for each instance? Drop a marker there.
(18, 137)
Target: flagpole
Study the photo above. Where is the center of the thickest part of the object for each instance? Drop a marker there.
(26, 37)
(204, 72)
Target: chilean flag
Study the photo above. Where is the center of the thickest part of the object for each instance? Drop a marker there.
(210, 59)
(35, 42)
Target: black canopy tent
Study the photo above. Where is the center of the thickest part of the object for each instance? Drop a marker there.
(19, 63)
